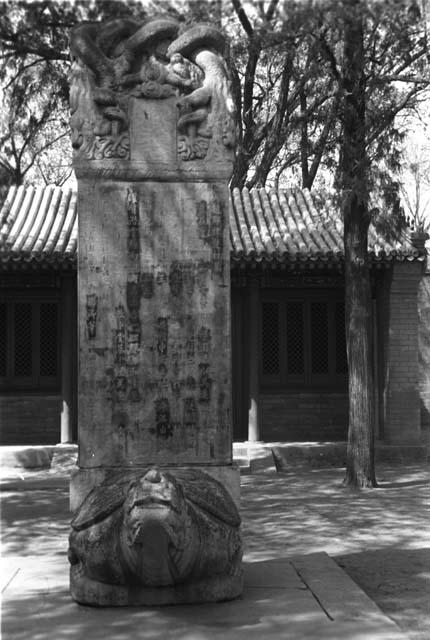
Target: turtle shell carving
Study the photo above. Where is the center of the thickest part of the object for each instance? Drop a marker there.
(103, 501)
(156, 528)
(210, 496)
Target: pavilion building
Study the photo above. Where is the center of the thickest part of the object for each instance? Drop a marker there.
(290, 375)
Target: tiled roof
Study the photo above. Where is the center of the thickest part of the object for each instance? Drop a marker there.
(39, 226)
(286, 225)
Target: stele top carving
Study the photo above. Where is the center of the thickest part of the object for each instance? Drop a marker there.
(147, 100)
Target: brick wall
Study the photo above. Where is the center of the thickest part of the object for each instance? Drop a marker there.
(424, 354)
(30, 419)
(400, 381)
(304, 417)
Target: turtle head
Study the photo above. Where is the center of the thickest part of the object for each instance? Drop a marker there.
(153, 491)
(157, 529)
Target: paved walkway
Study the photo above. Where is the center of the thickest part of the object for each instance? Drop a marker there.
(293, 589)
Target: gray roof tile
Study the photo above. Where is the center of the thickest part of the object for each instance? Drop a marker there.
(40, 225)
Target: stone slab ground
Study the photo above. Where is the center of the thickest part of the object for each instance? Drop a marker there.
(305, 597)
(380, 537)
(293, 588)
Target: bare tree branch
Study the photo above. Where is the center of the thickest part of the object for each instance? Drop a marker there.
(243, 18)
(271, 9)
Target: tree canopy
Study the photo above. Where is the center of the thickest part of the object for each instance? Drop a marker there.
(286, 61)
(290, 106)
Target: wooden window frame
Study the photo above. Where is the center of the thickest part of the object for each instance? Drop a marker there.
(308, 381)
(35, 382)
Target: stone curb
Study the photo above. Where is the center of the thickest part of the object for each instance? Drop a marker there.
(36, 457)
(341, 599)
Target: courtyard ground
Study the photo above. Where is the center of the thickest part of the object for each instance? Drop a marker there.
(380, 538)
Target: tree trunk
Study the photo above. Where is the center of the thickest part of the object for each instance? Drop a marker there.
(360, 469)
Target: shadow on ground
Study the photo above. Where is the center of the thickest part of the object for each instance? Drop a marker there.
(398, 580)
(275, 611)
(35, 522)
(305, 511)
(381, 537)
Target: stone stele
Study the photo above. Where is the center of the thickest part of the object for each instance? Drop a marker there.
(155, 493)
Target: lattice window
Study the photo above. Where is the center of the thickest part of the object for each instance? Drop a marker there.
(3, 339)
(319, 337)
(270, 338)
(295, 338)
(339, 321)
(303, 340)
(48, 335)
(29, 343)
(23, 347)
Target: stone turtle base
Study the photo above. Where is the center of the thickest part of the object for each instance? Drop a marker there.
(84, 479)
(98, 594)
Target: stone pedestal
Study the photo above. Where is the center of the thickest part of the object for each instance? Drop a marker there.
(153, 132)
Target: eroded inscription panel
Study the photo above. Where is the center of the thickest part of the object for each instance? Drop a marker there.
(154, 285)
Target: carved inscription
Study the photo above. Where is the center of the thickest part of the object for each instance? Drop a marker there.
(161, 277)
(134, 393)
(163, 353)
(162, 336)
(204, 342)
(147, 284)
(163, 427)
(205, 384)
(202, 220)
(223, 411)
(120, 386)
(190, 418)
(120, 420)
(175, 280)
(124, 432)
(216, 235)
(133, 240)
(133, 298)
(188, 278)
(210, 228)
(120, 335)
(202, 281)
(189, 338)
(190, 383)
(92, 303)
(133, 342)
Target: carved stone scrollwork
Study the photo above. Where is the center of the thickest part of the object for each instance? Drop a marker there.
(120, 60)
(108, 146)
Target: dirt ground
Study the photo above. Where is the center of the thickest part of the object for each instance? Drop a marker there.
(380, 537)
